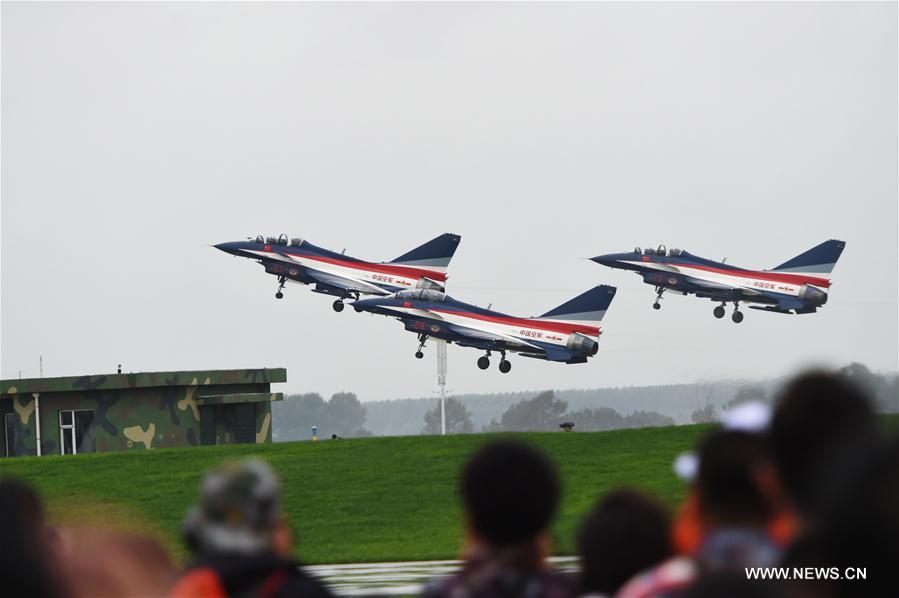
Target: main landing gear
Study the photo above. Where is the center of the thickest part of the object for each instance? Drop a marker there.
(505, 366)
(282, 280)
(422, 338)
(737, 316)
(658, 305)
(339, 304)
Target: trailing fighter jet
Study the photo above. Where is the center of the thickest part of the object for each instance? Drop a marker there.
(799, 285)
(297, 260)
(568, 333)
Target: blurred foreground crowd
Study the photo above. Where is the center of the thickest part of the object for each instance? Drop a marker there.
(810, 492)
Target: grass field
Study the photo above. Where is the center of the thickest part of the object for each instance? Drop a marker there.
(373, 499)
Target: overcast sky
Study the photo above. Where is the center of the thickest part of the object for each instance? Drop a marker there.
(135, 135)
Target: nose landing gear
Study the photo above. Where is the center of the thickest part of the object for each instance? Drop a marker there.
(658, 305)
(422, 338)
(282, 280)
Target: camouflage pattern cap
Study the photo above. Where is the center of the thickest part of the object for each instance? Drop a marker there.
(240, 504)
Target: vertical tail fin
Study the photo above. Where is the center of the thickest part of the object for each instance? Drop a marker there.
(589, 307)
(433, 255)
(817, 260)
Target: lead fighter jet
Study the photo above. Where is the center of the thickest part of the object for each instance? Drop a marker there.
(297, 260)
(799, 285)
(568, 333)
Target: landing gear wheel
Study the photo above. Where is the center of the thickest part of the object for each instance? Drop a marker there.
(419, 355)
(484, 362)
(719, 312)
(338, 305)
(279, 295)
(737, 317)
(505, 367)
(657, 305)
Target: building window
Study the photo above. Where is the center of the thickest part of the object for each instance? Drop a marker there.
(76, 432)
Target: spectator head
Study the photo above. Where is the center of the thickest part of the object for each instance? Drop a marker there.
(625, 533)
(239, 510)
(732, 585)
(100, 562)
(818, 417)
(732, 483)
(510, 492)
(25, 561)
(859, 527)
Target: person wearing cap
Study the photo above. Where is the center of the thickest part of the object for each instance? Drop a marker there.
(687, 531)
(240, 539)
(735, 499)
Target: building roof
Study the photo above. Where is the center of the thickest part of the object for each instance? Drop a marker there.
(143, 380)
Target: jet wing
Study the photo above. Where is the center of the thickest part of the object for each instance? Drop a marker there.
(788, 303)
(561, 354)
(708, 285)
(343, 282)
(492, 336)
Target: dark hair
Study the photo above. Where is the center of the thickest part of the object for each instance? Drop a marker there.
(510, 492)
(731, 584)
(625, 533)
(24, 563)
(818, 416)
(728, 485)
(859, 527)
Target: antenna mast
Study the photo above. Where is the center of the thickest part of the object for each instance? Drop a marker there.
(441, 381)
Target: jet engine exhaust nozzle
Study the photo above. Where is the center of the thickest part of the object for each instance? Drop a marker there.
(813, 295)
(582, 344)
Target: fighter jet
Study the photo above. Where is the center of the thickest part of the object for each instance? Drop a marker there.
(299, 261)
(568, 333)
(799, 285)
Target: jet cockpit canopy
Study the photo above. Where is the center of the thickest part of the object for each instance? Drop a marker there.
(661, 250)
(281, 240)
(428, 295)
(296, 242)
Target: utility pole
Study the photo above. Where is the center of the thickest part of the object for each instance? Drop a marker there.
(441, 381)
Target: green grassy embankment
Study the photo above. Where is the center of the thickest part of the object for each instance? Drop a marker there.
(373, 499)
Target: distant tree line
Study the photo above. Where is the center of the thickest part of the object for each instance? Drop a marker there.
(542, 413)
(295, 416)
(883, 390)
(589, 409)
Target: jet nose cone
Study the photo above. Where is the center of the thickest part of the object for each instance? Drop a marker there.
(609, 259)
(366, 304)
(374, 305)
(233, 247)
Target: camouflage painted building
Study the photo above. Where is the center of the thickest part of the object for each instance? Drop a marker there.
(118, 412)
